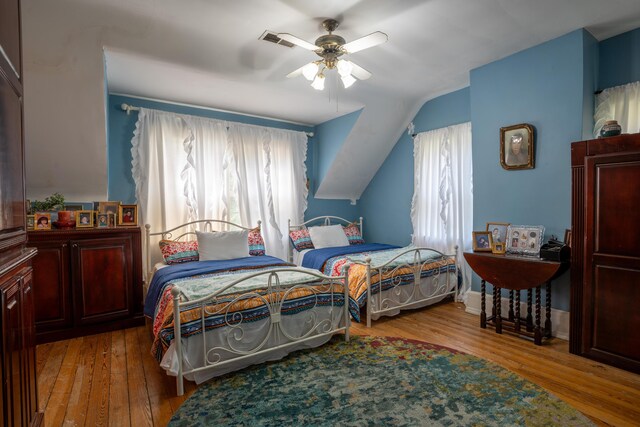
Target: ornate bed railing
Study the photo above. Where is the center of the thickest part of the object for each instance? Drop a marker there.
(327, 313)
(401, 280)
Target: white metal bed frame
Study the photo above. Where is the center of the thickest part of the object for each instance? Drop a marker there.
(381, 304)
(274, 299)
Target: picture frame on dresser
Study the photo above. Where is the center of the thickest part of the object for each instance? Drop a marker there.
(84, 219)
(128, 216)
(42, 221)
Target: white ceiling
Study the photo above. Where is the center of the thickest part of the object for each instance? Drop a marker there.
(208, 53)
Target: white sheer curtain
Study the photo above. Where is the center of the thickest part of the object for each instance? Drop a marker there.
(620, 103)
(270, 178)
(188, 168)
(160, 147)
(442, 205)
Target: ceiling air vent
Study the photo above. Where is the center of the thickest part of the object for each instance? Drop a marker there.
(270, 36)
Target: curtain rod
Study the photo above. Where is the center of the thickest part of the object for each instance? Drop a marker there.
(129, 108)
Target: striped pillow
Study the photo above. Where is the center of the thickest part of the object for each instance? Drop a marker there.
(301, 239)
(178, 252)
(353, 234)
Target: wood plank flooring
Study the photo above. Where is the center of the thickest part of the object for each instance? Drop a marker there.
(112, 379)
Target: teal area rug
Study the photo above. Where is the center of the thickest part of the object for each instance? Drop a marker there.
(373, 381)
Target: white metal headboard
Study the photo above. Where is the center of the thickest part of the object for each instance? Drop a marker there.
(186, 230)
(320, 221)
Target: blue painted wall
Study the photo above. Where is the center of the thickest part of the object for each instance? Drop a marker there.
(619, 60)
(543, 86)
(386, 202)
(330, 136)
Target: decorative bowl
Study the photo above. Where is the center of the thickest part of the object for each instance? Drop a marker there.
(610, 128)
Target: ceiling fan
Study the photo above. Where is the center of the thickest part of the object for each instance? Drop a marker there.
(330, 47)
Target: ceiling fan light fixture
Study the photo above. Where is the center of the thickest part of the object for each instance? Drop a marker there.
(347, 81)
(318, 82)
(344, 67)
(310, 70)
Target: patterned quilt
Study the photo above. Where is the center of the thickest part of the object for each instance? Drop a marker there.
(246, 300)
(432, 264)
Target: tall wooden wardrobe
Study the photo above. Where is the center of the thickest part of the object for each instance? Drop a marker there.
(18, 390)
(605, 258)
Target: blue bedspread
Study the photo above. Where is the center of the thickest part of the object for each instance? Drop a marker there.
(178, 271)
(316, 258)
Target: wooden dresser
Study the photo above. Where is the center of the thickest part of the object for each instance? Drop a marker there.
(18, 388)
(86, 281)
(605, 257)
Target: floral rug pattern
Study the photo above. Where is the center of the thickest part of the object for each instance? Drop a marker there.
(374, 381)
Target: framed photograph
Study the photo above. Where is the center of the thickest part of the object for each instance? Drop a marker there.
(42, 221)
(31, 222)
(73, 207)
(498, 232)
(524, 239)
(567, 237)
(84, 219)
(517, 147)
(108, 207)
(481, 241)
(128, 215)
(111, 220)
(498, 248)
(102, 220)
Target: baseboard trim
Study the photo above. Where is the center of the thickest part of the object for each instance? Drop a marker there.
(559, 318)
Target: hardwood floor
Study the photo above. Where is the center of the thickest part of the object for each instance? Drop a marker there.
(112, 379)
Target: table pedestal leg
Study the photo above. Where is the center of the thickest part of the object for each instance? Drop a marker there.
(517, 324)
(483, 313)
(529, 303)
(511, 304)
(497, 303)
(547, 323)
(538, 332)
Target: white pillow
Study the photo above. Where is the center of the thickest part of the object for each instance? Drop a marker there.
(221, 245)
(328, 236)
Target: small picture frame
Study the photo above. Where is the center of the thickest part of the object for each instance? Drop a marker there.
(524, 239)
(31, 222)
(517, 147)
(27, 206)
(42, 221)
(498, 231)
(498, 248)
(111, 220)
(482, 241)
(567, 237)
(128, 216)
(108, 207)
(102, 220)
(73, 207)
(84, 219)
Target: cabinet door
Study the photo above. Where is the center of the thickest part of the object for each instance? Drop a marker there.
(12, 343)
(52, 290)
(29, 342)
(102, 279)
(612, 260)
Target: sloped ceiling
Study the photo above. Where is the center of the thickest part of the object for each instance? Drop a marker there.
(208, 53)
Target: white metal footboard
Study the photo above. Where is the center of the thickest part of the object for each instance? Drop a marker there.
(400, 295)
(236, 346)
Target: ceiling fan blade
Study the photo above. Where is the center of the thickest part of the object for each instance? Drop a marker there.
(359, 72)
(297, 41)
(373, 39)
